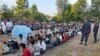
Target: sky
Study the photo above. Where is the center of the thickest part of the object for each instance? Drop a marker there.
(48, 7)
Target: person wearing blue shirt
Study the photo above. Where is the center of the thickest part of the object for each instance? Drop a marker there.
(86, 29)
(95, 31)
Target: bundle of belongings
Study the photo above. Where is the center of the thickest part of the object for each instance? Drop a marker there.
(10, 46)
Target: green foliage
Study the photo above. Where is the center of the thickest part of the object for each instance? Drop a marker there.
(33, 11)
(57, 18)
(66, 11)
(26, 14)
(21, 12)
(40, 17)
(6, 12)
(95, 8)
(70, 12)
(61, 6)
(20, 7)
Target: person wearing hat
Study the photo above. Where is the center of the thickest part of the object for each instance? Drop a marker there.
(86, 29)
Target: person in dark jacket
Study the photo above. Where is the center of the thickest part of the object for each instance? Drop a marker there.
(86, 29)
(95, 31)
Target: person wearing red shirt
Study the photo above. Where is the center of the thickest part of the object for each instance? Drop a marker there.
(26, 51)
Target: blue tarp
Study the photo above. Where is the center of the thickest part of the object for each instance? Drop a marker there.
(20, 29)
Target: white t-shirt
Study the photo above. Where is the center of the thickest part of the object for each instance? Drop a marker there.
(36, 49)
(49, 31)
(24, 40)
(60, 37)
(42, 45)
(3, 26)
(9, 24)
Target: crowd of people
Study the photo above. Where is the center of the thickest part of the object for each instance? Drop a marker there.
(44, 37)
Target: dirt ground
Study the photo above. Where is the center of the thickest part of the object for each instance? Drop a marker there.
(70, 48)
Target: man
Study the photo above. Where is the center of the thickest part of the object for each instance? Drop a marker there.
(3, 26)
(26, 51)
(95, 31)
(9, 27)
(86, 28)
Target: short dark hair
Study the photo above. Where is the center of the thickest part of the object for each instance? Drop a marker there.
(4, 42)
(22, 45)
(87, 19)
(20, 36)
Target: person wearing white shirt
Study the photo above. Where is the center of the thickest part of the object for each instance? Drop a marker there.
(36, 49)
(42, 45)
(9, 26)
(3, 26)
(60, 37)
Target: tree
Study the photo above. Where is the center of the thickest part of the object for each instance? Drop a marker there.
(26, 14)
(57, 18)
(67, 13)
(79, 8)
(20, 7)
(41, 17)
(61, 6)
(5, 12)
(33, 11)
(95, 8)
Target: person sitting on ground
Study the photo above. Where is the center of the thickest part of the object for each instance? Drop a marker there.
(26, 51)
(60, 37)
(36, 48)
(42, 45)
(20, 37)
(1, 32)
(22, 40)
(5, 48)
(57, 39)
(31, 47)
(65, 37)
(48, 42)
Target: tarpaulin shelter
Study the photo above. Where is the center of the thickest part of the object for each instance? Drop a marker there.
(20, 29)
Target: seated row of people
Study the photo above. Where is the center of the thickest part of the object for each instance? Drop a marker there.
(38, 44)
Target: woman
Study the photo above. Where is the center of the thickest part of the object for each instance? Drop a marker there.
(31, 47)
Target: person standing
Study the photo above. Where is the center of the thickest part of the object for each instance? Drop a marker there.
(86, 29)
(3, 26)
(95, 31)
(9, 27)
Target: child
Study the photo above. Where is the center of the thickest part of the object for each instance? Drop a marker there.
(26, 51)
(5, 48)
